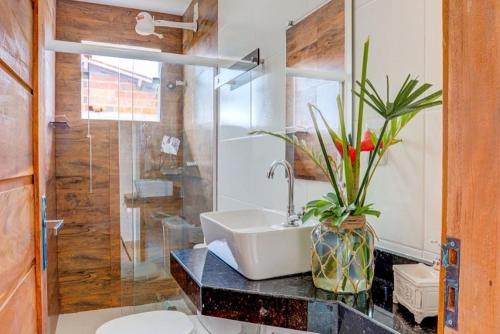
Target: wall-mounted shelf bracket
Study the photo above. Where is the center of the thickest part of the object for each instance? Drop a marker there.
(60, 122)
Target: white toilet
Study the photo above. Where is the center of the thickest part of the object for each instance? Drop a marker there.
(173, 322)
(155, 322)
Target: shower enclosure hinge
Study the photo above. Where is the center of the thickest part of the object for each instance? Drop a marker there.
(450, 258)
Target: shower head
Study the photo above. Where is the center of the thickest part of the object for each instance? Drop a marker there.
(146, 23)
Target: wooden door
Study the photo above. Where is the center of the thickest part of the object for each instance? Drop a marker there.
(17, 225)
(21, 275)
(471, 197)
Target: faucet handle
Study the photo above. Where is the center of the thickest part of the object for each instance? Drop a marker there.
(294, 220)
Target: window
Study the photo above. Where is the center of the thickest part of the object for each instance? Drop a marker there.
(120, 89)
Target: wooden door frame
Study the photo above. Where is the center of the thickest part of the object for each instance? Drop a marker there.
(41, 278)
(470, 203)
(445, 10)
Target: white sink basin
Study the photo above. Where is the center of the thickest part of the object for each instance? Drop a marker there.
(255, 243)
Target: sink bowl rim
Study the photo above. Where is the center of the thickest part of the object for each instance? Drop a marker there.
(268, 229)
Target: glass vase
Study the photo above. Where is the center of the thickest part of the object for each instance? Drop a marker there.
(343, 257)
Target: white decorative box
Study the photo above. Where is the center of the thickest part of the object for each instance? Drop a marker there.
(416, 286)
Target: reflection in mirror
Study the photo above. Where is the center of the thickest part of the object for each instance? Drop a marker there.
(317, 59)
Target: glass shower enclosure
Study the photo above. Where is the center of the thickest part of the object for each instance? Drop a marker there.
(162, 148)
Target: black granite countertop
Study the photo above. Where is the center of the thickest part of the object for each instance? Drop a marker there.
(292, 302)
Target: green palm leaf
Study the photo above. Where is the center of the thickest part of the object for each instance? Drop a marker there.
(325, 154)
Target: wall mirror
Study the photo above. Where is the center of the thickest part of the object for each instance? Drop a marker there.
(312, 52)
(323, 59)
(318, 69)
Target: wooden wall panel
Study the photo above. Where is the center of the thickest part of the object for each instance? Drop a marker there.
(77, 21)
(204, 42)
(16, 238)
(316, 43)
(89, 244)
(471, 195)
(94, 290)
(16, 36)
(84, 243)
(18, 315)
(15, 122)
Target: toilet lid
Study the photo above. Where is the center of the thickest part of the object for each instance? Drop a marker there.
(155, 322)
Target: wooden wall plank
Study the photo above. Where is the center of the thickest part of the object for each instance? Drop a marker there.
(93, 290)
(19, 314)
(15, 122)
(72, 152)
(471, 157)
(204, 42)
(16, 237)
(16, 36)
(77, 21)
(318, 41)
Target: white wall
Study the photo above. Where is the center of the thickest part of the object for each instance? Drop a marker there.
(242, 160)
(405, 38)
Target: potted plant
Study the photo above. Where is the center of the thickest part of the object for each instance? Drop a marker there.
(343, 241)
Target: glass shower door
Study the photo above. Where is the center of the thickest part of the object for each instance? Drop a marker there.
(160, 119)
(166, 177)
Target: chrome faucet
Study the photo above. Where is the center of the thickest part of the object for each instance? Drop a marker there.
(292, 218)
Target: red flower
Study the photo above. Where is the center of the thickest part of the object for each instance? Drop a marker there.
(352, 154)
(351, 151)
(339, 146)
(367, 144)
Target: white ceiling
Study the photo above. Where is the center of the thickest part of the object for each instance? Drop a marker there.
(163, 6)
